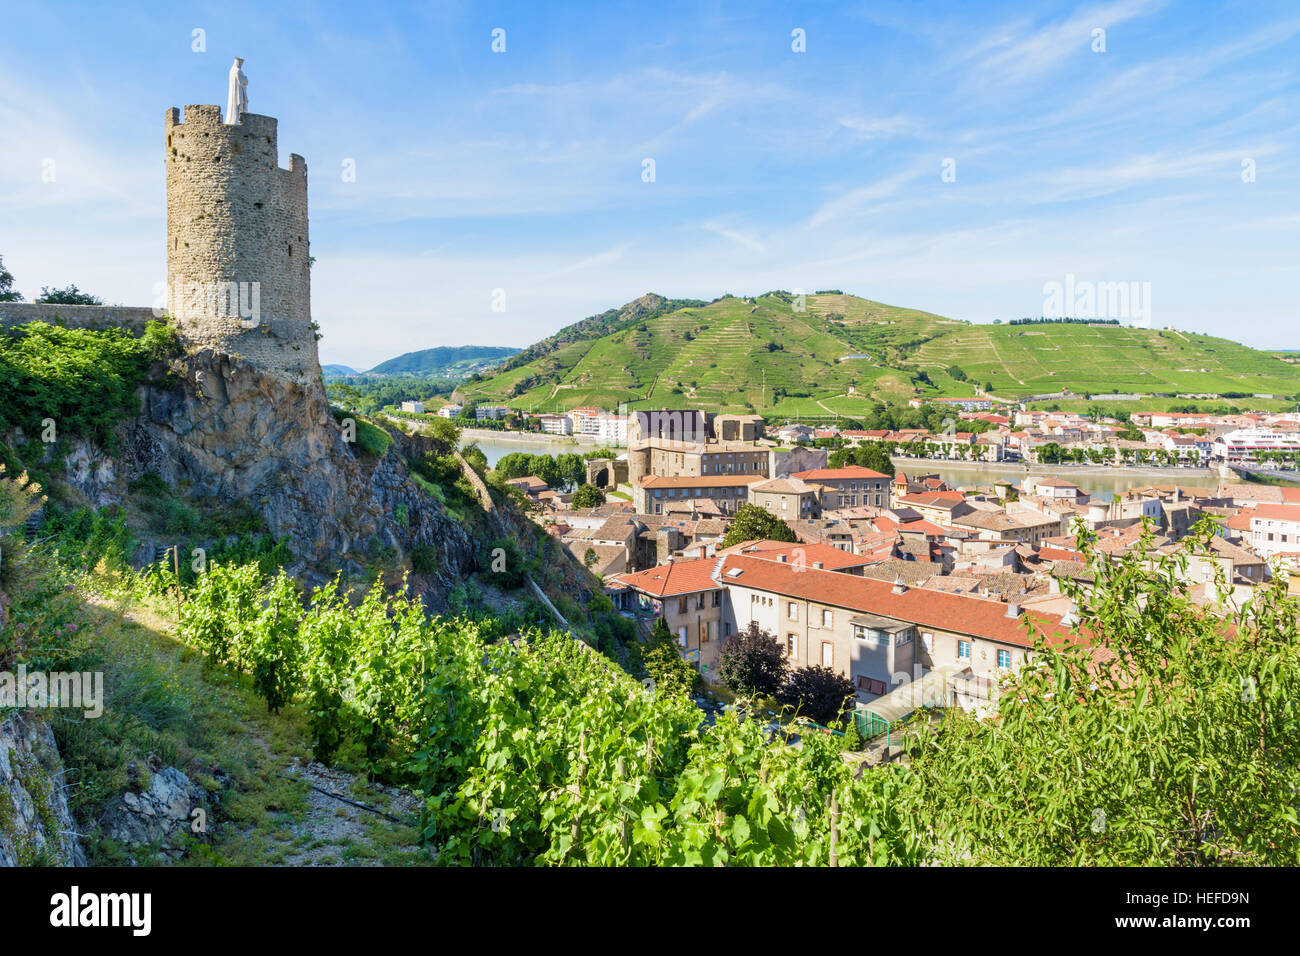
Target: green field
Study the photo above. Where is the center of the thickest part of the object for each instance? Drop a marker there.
(843, 353)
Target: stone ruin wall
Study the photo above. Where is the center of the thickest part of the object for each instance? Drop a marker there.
(131, 318)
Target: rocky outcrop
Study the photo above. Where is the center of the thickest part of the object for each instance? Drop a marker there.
(35, 825)
(223, 430)
(160, 815)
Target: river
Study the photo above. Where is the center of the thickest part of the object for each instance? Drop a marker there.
(1100, 482)
(496, 448)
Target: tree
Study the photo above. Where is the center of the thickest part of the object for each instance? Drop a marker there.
(1178, 746)
(590, 558)
(753, 523)
(476, 458)
(1051, 453)
(819, 693)
(588, 496)
(444, 433)
(7, 293)
(664, 665)
(69, 296)
(874, 456)
(752, 662)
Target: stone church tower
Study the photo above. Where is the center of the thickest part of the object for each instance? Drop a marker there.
(238, 270)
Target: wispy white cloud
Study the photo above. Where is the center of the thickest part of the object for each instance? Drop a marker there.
(604, 258)
(740, 238)
(856, 199)
(1020, 53)
(869, 128)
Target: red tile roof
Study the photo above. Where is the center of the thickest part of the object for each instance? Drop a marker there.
(1059, 554)
(933, 499)
(886, 523)
(1276, 512)
(674, 578)
(849, 473)
(956, 613)
(830, 558)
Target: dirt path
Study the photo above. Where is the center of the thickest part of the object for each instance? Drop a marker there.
(335, 832)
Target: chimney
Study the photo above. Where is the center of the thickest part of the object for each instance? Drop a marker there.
(1067, 619)
(1013, 610)
(899, 586)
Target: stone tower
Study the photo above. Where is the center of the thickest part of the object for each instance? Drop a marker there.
(238, 271)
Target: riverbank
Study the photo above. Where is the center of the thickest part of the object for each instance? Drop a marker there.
(469, 435)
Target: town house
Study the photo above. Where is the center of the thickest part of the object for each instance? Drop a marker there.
(848, 487)
(652, 493)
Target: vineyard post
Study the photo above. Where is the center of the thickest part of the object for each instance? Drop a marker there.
(575, 831)
(176, 567)
(620, 768)
(835, 830)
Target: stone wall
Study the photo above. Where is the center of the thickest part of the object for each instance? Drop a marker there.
(131, 318)
(613, 471)
(237, 228)
(801, 458)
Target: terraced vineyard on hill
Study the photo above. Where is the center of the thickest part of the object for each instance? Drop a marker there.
(1031, 359)
(842, 353)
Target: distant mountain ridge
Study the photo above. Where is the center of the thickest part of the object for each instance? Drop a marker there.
(464, 359)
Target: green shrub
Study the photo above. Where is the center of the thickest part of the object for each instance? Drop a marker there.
(83, 380)
(424, 559)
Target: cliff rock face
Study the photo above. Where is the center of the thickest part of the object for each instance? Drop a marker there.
(228, 431)
(35, 825)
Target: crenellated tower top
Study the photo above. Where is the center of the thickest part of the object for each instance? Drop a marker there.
(238, 253)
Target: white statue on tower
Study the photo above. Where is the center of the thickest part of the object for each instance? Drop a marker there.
(237, 101)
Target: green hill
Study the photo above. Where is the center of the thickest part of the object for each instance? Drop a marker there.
(463, 359)
(844, 352)
(1034, 359)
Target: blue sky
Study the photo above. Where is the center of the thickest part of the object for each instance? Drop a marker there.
(522, 170)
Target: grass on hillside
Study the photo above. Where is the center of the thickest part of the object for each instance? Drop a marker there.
(735, 354)
(741, 354)
(163, 705)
